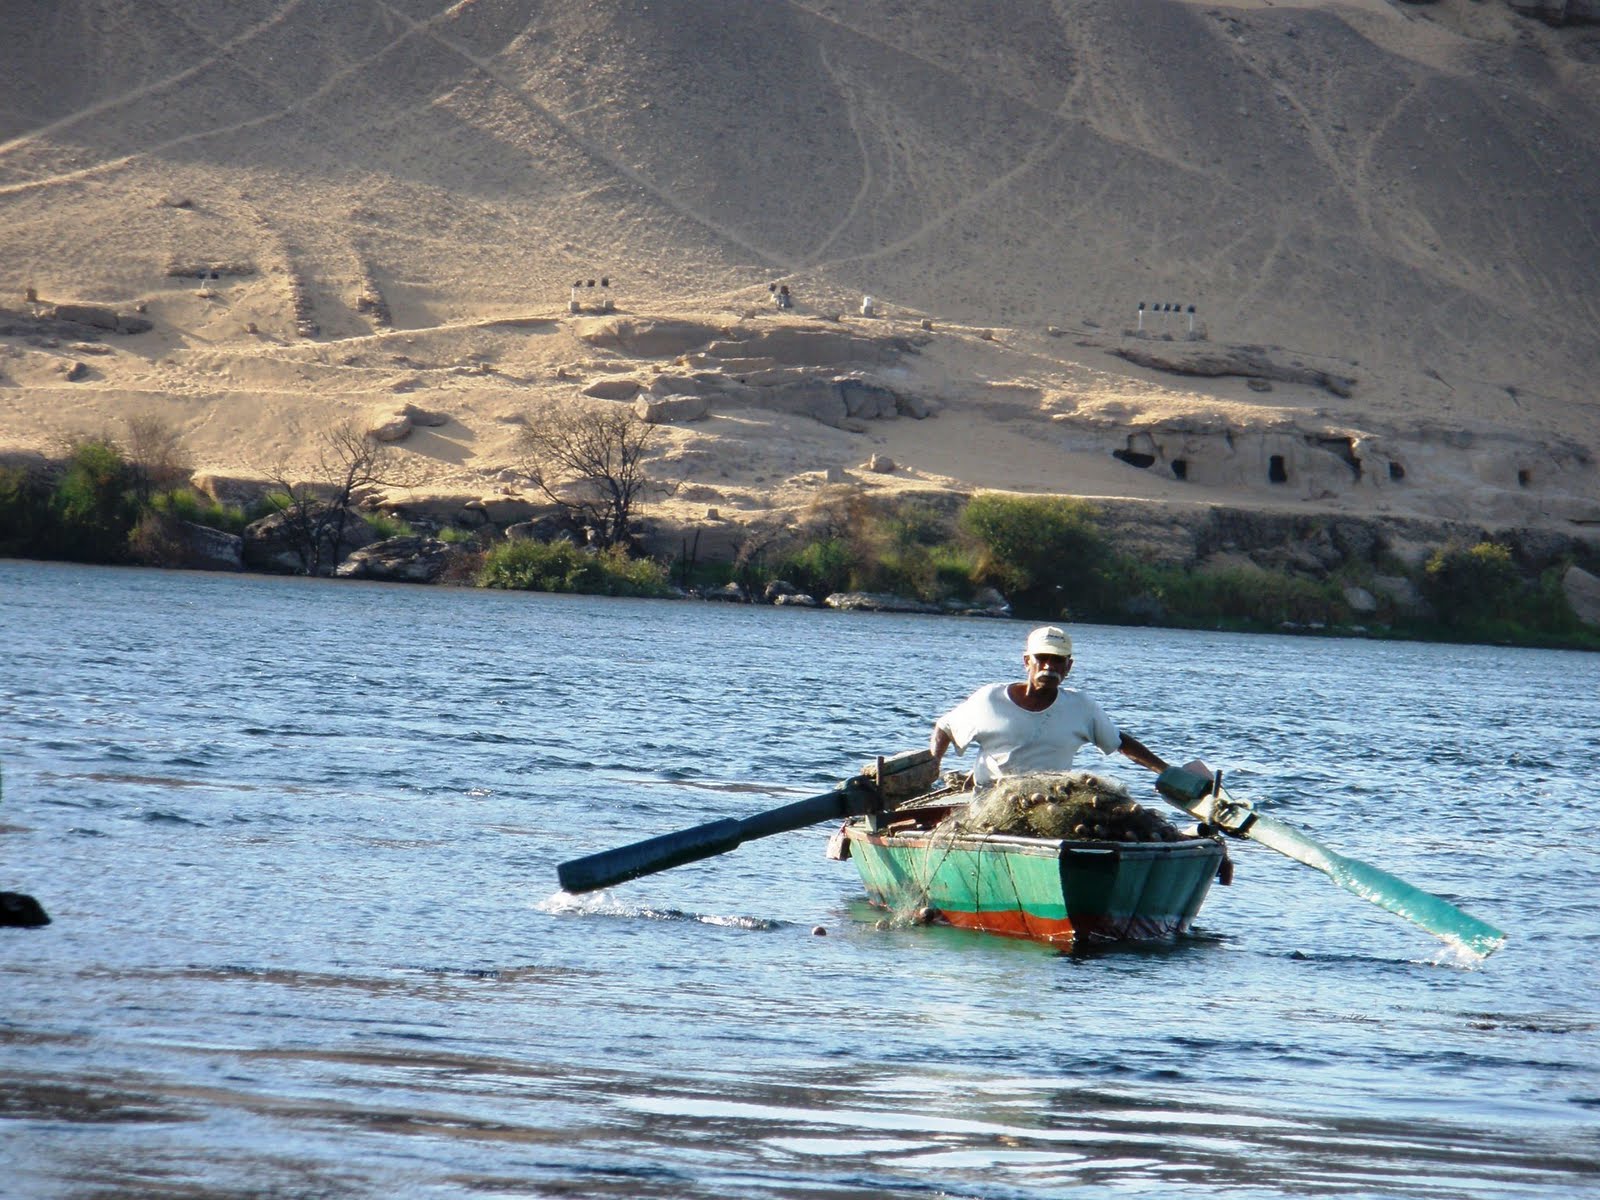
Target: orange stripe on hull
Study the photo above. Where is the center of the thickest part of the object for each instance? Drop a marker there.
(1062, 931)
(1015, 924)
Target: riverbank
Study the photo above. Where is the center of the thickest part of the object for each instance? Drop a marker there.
(992, 554)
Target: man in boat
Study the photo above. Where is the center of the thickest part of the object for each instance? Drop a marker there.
(1034, 725)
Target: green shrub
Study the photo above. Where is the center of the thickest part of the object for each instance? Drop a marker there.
(1479, 593)
(25, 516)
(1044, 552)
(1257, 597)
(450, 535)
(1470, 585)
(821, 567)
(563, 567)
(1544, 605)
(386, 526)
(1232, 598)
(184, 505)
(93, 503)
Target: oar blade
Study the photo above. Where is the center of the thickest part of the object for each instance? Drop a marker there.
(670, 850)
(1423, 909)
(1372, 884)
(1195, 795)
(610, 867)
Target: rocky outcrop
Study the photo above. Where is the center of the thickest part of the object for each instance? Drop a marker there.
(616, 387)
(783, 594)
(1250, 362)
(236, 490)
(820, 344)
(1324, 545)
(1504, 479)
(415, 558)
(98, 316)
(18, 910)
(837, 400)
(396, 424)
(201, 548)
(878, 602)
(1360, 601)
(70, 321)
(285, 543)
(986, 602)
(550, 527)
(1402, 595)
(821, 370)
(1582, 590)
(1560, 12)
(646, 338)
(671, 410)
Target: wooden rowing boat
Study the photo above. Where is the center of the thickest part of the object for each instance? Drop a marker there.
(1066, 893)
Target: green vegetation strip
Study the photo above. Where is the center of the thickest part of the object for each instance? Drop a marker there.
(1049, 556)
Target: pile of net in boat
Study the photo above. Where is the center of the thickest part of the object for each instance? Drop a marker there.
(1075, 806)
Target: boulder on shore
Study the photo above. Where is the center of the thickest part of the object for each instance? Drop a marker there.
(1582, 590)
(878, 602)
(282, 542)
(202, 548)
(414, 558)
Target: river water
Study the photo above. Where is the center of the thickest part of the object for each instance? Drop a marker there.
(299, 841)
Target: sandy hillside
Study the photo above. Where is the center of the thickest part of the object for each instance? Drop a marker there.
(1385, 216)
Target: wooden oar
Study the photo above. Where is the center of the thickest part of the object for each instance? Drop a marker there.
(880, 784)
(669, 850)
(1196, 795)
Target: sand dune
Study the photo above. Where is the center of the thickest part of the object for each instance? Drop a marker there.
(398, 196)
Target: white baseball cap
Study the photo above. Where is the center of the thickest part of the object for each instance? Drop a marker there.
(1049, 639)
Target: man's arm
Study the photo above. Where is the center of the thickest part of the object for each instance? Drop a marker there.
(938, 743)
(1140, 753)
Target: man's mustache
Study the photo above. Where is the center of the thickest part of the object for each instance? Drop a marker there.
(1049, 677)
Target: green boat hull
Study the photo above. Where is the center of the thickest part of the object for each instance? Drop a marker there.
(1061, 892)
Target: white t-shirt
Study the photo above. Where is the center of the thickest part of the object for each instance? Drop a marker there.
(1014, 741)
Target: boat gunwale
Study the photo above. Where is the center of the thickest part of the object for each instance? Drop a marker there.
(1008, 843)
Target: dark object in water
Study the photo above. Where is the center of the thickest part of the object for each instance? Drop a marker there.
(21, 911)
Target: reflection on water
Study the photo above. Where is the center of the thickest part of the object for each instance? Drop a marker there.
(307, 939)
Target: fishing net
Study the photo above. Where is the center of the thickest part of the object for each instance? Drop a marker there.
(1075, 806)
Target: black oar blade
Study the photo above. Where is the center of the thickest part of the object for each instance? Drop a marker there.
(1193, 794)
(644, 858)
(714, 837)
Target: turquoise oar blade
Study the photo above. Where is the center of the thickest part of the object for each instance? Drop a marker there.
(1194, 794)
(1433, 913)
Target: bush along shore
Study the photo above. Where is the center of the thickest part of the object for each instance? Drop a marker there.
(996, 554)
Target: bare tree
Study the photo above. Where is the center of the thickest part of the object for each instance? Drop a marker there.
(155, 459)
(316, 514)
(590, 462)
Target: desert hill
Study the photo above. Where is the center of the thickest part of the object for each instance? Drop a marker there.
(1386, 217)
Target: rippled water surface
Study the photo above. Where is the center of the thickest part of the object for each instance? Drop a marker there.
(299, 842)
